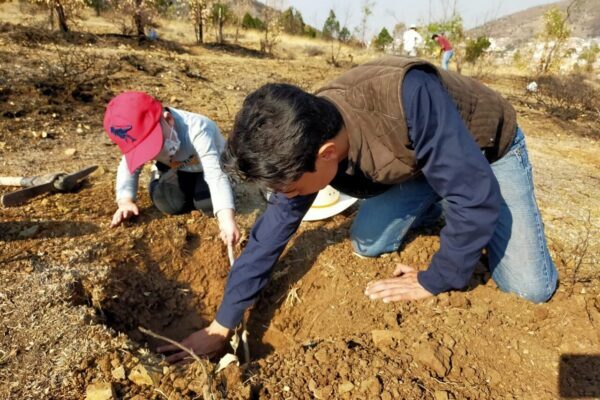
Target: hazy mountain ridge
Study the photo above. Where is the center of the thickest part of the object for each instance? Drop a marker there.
(525, 25)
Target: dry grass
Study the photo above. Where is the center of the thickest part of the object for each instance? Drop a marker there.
(182, 31)
(57, 335)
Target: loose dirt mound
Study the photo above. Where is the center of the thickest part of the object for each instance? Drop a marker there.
(74, 291)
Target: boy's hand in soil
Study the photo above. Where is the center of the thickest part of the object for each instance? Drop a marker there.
(206, 342)
(127, 209)
(230, 234)
(404, 287)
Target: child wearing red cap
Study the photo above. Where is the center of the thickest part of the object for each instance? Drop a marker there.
(185, 147)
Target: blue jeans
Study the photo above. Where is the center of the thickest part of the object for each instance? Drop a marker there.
(446, 58)
(518, 254)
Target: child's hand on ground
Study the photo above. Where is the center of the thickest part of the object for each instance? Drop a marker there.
(404, 287)
(230, 234)
(127, 208)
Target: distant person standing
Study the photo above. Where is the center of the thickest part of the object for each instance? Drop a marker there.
(412, 40)
(445, 49)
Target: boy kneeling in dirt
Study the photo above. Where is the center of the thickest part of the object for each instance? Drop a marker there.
(186, 147)
(413, 141)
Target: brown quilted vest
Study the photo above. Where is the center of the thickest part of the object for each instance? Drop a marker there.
(369, 99)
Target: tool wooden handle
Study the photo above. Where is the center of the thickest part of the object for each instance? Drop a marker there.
(11, 180)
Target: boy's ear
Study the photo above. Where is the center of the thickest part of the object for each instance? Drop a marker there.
(328, 151)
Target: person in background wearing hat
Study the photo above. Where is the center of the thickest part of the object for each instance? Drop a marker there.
(186, 147)
(414, 141)
(445, 49)
(412, 40)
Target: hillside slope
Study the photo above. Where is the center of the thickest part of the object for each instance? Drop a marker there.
(584, 21)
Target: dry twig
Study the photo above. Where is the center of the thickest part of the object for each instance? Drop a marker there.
(576, 256)
(207, 395)
(292, 298)
(579, 252)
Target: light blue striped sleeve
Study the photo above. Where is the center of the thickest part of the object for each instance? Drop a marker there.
(209, 144)
(126, 183)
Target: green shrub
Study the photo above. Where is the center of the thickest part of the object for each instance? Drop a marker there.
(476, 48)
(250, 22)
(383, 39)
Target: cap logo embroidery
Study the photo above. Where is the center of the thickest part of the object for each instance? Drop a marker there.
(121, 132)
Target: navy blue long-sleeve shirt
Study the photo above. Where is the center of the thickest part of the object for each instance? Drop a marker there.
(452, 164)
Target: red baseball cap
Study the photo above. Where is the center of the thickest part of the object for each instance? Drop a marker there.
(132, 121)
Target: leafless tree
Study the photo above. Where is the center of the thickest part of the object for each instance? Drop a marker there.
(272, 30)
(366, 10)
(142, 12)
(64, 10)
(199, 12)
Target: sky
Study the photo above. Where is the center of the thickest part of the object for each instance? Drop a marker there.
(386, 13)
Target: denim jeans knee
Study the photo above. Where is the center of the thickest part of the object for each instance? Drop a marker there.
(383, 221)
(537, 288)
(541, 294)
(531, 279)
(365, 250)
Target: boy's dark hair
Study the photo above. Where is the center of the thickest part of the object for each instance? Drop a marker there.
(277, 135)
(434, 36)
